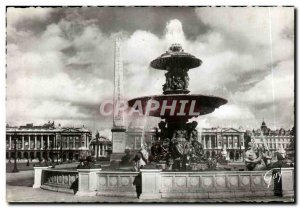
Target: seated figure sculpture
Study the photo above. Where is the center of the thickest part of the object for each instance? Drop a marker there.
(180, 148)
(197, 152)
(161, 145)
(254, 159)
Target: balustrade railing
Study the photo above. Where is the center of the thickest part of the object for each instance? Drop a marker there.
(66, 179)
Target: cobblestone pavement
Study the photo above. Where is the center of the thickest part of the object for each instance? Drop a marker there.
(19, 189)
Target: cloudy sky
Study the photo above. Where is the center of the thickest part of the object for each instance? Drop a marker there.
(60, 61)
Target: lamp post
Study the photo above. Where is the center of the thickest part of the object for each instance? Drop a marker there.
(45, 153)
(15, 170)
(61, 152)
(240, 147)
(51, 152)
(97, 146)
(57, 153)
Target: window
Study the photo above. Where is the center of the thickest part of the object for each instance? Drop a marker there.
(230, 142)
(77, 142)
(71, 142)
(19, 144)
(7, 144)
(26, 144)
(38, 144)
(64, 142)
(32, 144)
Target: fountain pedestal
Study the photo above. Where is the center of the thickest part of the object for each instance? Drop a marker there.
(119, 141)
(150, 184)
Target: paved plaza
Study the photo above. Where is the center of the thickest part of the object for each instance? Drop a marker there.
(19, 189)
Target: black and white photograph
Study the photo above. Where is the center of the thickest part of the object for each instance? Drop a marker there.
(129, 104)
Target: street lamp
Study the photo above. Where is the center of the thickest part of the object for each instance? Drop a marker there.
(61, 152)
(45, 153)
(97, 146)
(57, 153)
(15, 170)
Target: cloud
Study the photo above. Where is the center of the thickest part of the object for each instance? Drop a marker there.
(233, 112)
(67, 61)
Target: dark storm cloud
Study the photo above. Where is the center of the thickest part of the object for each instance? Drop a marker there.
(247, 80)
(130, 19)
(127, 19)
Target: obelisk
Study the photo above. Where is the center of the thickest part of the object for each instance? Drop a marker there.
(118, 130)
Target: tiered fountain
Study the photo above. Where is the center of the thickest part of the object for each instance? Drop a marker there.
(177, 143)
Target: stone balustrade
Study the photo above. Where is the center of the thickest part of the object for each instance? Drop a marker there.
(117, 183)
(155, 184)
(227, 184)
(59, 180)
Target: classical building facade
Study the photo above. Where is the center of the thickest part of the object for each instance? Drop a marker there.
(215, 140)
(274, 140)
(138, 136)
(46, 141)
(104, 147)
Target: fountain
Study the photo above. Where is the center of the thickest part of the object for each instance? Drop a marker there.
(178, 143)
(178, 147)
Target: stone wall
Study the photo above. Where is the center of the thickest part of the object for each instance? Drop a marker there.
(225, 184)
(116, 183)
(155, 184)
(60, 180)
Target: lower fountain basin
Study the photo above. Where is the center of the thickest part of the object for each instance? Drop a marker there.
(175, 106)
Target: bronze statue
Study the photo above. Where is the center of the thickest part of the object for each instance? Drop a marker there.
(197, 152)
(168, 84)
(253, 159)
(186, 79)
(160, 148)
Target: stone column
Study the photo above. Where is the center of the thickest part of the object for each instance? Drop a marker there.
(23, 142)
(10, 144)
(35, 142)
(87, 182)
(150, 183)
(210, 141)
(42, 142)
(287, 177)
(68, 141)
(73, 142)
(48, 141)
(29, 137)
(38, 176)
(227, 137)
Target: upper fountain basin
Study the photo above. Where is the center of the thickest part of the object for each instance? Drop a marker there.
(175, 57)
(176, 106)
